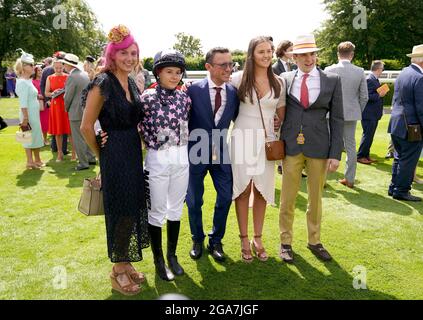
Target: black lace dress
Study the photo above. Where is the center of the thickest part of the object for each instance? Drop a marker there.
(122, 177)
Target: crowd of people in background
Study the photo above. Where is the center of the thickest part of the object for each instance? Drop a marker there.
(314, 111)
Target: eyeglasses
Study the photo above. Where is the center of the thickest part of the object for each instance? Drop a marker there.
(224, 65)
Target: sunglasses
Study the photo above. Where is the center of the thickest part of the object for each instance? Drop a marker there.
(224, 65)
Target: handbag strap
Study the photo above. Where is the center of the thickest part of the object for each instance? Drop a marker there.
(28, 127)
(261, 113)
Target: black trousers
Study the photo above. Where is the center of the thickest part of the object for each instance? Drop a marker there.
(369, 130)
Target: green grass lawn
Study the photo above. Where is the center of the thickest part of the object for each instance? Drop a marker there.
(43, 239)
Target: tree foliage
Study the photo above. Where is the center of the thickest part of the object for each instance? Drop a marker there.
(41, 28)
(393, 28)
(188, 45)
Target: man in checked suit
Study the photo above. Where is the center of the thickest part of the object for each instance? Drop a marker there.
(214, 105)
(355, 97)
(407, 109)
(75, 83)
(311, 95)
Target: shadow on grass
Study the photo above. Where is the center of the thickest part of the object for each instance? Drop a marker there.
(375, 202)
(29, 178)
(66, 170)
(271, 280)
(63, 170)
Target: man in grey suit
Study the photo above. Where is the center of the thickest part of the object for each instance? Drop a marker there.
(311, 95)
(75, 83)
(355, 97)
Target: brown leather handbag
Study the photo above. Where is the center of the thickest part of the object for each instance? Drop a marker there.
(275, 150)
(91, 201)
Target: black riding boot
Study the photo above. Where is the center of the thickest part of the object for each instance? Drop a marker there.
(156, 246)
(172, 242)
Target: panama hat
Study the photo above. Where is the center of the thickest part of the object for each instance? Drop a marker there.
(305, 44)
(71, 60)
(417, 52)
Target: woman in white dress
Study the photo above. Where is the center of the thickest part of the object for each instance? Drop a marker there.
(251, 170)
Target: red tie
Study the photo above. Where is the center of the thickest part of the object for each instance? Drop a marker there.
(217, 101)
(304, 100)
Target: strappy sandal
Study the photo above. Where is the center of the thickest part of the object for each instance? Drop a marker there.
(123, 283)
(245, 252)
(137, 277)
(259, 253)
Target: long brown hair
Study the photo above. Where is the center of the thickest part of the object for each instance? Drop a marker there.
(248, 78)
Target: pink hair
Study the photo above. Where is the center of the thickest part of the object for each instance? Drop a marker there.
(113, 48)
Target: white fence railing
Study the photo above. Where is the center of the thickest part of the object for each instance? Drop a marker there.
(388, 76)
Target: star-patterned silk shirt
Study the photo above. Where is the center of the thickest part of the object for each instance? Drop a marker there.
(165, 121)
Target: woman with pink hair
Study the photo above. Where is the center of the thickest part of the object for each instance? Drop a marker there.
(112, 98)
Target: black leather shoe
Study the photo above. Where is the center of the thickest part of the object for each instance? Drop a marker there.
(320, 252)
(196, 251)
(286, 253)
(162, 270)
(80, 168)
(217, 252)
(390, 193)
(92, 163)
(407, 197)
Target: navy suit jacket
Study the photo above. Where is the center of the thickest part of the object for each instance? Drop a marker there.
(407, 100)
(46, 73)
(201, 127)
(374, 107)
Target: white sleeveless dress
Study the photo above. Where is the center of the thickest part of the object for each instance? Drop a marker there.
(248, 156)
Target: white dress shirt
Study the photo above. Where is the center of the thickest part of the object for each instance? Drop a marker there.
(212, 91)
(313, 84)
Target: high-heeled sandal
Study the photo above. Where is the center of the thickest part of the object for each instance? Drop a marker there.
(137, 277)
(122, 282)
(259, 253)
(245, 252)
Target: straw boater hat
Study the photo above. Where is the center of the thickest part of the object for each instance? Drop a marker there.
(305, 44)
(71, 59)
(417, 52)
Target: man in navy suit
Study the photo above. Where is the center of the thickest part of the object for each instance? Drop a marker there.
(372, 113)
(407, 109)
(214, 105)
